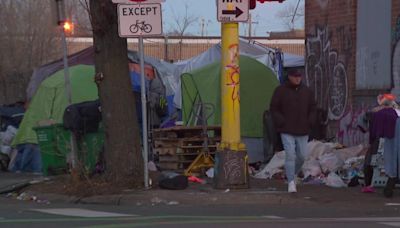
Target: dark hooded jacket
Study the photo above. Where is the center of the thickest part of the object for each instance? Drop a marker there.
(293, 109)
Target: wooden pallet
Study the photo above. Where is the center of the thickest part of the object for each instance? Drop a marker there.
(177, 147)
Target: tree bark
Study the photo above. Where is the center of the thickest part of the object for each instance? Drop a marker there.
(122, 142)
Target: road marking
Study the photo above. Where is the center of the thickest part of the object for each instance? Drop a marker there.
(78, 212)
(395, 224)
(271, 217)
(392, 204)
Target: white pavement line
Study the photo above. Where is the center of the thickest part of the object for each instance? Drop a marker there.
(370, 219)
(395, 224)
(78, 212)
(272, 217)
(392, 204)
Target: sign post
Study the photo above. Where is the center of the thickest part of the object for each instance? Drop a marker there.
(139, 18)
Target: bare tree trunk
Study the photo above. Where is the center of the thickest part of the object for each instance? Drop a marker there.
(122, 143)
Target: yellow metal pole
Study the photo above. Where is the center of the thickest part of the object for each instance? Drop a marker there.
(231, 158)
(230, 88)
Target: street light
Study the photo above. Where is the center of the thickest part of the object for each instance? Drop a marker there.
(66, 27)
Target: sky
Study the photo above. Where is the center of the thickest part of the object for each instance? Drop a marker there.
(264, 16)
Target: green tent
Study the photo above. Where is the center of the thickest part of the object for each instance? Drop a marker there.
(50, 100)
(257, 83)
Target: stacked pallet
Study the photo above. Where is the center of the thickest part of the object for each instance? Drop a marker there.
(177, 147)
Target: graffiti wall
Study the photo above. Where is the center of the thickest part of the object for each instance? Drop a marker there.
(349, 132)
(345, 65)
(326, 75)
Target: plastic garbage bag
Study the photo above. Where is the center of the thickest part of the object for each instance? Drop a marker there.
(5, 149)
(311, 168)
(333, 180)
(317, 148)
(7, 136)
(351, 152)
(274, 166)
(330, 162)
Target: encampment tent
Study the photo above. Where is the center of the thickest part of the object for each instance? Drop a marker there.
(257, 83)
(265, 55)
(49, 101)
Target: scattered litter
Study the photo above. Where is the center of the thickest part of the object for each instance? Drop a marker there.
(227, 190)
(151, 166)
(333, 180)
(307, 197)
(138, 204)
(196, 180)
(27, 197)
(210, 173)
(173, 203)
(156, 200)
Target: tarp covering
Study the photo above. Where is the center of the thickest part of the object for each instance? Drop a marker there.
(50, 100)
(257, 83)
(163, 70)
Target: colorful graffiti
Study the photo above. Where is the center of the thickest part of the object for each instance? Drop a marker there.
(326, 75)
(233, 72)
(349, 134)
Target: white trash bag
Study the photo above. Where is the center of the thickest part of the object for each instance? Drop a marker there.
(311, 168)
(333, 180)
(330, 162)
(274, 166)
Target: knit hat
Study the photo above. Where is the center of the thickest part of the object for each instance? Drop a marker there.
(294, 73)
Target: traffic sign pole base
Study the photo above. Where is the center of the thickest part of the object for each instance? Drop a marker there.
(231, 169)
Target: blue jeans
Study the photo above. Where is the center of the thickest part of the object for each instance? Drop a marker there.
(28, 159)
(295, 151)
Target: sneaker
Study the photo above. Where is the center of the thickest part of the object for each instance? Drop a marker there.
(368, 189)
(292, 187)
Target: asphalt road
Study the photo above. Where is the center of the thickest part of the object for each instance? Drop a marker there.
(14, 213)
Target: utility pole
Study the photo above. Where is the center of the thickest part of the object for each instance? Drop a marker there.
(202, 26)
(231, 158)
(250, 23)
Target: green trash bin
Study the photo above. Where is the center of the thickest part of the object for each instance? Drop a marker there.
(89, 148)
(54, 160)
(55, 145)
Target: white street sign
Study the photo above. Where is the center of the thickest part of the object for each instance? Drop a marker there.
(232, 10)
(139, 20)
(137, 1)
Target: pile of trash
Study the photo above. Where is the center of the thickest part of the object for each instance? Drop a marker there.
(325, 163)
(6, 151)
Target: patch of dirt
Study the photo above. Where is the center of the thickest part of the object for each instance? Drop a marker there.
(84, 187)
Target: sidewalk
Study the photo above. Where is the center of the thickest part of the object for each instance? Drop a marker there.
(261, 192)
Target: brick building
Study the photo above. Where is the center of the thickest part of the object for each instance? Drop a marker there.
(351, 57)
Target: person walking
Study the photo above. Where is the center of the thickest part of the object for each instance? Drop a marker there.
(293, 109)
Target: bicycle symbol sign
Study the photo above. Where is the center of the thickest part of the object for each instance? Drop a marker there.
(146, 28)
(139, 20)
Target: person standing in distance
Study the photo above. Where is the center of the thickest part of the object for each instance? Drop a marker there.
(293, 110)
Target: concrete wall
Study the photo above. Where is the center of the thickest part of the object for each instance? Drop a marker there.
(373, 44)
